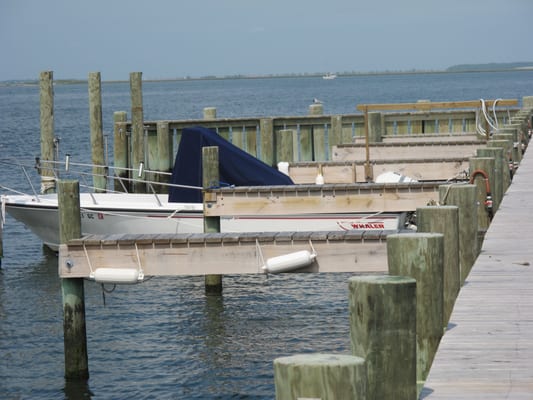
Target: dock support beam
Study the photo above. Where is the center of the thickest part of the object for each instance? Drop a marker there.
(211, 178)
(74, 330)
(46, 83)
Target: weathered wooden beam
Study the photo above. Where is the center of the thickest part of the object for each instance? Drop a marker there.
(222, 253)
(350, 172)
(301, 199)
(427, 105)
(409, 150)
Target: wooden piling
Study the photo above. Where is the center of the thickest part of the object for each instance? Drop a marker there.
(97, 133)
(74, 330)
(210, 113)
(500, 168)
(46, 86)
(445, 220)
(382, 311)
(375, 127)
(165, 151)
(335, 134)
(266, 152)
(320, 376)
(121, 156)
(210, 178)
(508, 158)
(464, 197)
(482, 175)
(284, 146)
(137, 129)
(420, 256)
(316, 109)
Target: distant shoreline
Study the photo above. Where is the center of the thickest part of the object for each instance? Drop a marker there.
(450, 70)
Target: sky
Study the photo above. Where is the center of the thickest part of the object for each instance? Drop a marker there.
(166, 39)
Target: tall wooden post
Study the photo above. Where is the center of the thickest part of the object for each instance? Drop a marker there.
(284, 146)
(46, 83)
(121, 154)
(165, 150)
(97, 133)
(464, 197)
(500, 168)
(137, 128)
(445, 220)
(267, 140)
(482, 175)
(382, 312)
(210, 178)
(420, 256)
(74, 331)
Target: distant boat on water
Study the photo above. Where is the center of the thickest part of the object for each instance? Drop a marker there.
(329, 76)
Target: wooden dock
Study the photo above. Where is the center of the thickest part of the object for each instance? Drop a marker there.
(487, 352)
(222, 253)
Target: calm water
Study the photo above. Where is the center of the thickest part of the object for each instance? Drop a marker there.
(164, 339)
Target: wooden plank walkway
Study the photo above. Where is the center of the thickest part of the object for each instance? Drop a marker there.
(487, 353)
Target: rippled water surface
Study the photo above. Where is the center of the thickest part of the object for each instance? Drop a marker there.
(164, 339)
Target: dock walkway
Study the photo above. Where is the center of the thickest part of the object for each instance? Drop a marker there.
(487, 352)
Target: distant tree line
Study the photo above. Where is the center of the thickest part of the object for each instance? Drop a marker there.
(490, 66)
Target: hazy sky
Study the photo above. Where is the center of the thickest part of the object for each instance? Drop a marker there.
(176, 38)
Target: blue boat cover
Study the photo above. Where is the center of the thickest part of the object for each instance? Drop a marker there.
(236, 167)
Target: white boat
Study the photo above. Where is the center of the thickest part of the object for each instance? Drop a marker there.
(181, 211)
(329, 76)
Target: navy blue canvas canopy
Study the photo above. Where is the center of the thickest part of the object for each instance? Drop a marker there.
(236, 167)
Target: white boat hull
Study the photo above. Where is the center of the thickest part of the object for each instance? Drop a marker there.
(141, 213)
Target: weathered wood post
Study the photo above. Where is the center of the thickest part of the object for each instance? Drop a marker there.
(445, 220)
(210, 178)
(500, 168)
(284, 146)
(316, 109)
(317, 134)
(320, 376)
(137, 129)
(507, 156)
(335, 134)
(266, 151)
(375, 127)
(121, 154)
(382, 312)
(420, 256)
(74, 331)
(97, 133)
(482, 175)
(1, 238)
(464, 197)
(46, 85)
(210, 113)
(165, 151)
(513, 149)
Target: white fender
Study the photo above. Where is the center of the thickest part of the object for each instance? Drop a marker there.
(117, 275)
(289, 262)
